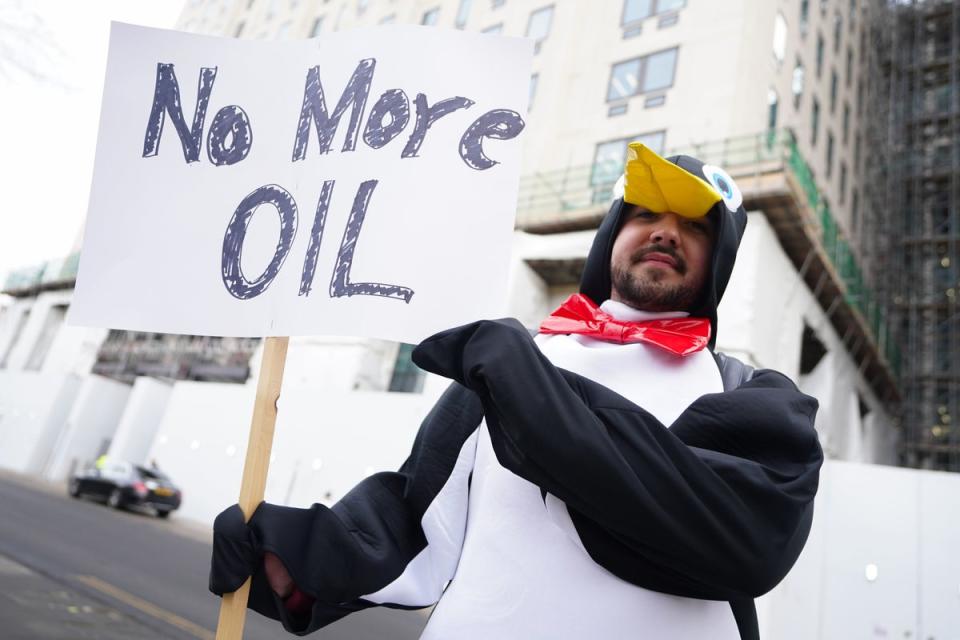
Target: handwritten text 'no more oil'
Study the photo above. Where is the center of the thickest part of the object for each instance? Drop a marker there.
(230, 138)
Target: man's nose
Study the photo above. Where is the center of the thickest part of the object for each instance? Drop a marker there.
(666, 231)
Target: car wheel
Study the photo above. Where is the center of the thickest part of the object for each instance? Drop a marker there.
(115, 499)
(163, 514)
(73, 488)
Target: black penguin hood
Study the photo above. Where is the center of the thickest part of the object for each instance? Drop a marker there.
(730, 220)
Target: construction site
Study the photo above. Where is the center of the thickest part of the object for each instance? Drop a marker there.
(909, 225)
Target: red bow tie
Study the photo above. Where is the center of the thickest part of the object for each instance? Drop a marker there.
(579, 314)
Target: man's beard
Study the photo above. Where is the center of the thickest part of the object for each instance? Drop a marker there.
(650, 293)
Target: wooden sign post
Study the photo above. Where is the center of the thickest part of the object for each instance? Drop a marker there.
(233, 608)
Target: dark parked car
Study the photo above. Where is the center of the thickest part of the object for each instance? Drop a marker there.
(123, 484)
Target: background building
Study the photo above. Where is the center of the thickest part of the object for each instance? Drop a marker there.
(812, 107)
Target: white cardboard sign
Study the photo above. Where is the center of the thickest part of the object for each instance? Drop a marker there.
(363, 183)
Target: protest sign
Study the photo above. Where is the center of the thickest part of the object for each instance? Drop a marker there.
(363, 183)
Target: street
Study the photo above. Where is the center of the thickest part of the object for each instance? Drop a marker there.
(77, 569)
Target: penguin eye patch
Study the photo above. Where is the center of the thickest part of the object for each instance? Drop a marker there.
(724, 185)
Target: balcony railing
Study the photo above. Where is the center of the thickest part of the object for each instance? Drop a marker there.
(48, 275)
(857, 293)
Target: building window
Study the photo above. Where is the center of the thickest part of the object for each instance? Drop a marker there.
(317, 26)
(635, 11)
(51, 326)
(820, 45)
(14, 338)
(773, 102)
(494, 30)
(407, 377)
(860, 96)
(814, 122)
(853, 14)
(834, 86)
(534, 79)
(843, 181)
(854, 211)
(829, 167)
(610, 157)
(669, 5)
(238, 30)
(638, 10)
(463, 12)
(837, 31)
(641, 75)
(849, 74)
(812, 350)
(496, 4)
(796, 84)
(430, 17)
(856, 152)
(668, 20)
(846, 123)
(653, 101)
(779, 38)
(538, 27)
(804, 16)
(390, 19)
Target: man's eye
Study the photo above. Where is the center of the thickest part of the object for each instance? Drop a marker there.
(699, 226)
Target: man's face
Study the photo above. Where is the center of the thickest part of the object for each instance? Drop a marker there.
(660, 261)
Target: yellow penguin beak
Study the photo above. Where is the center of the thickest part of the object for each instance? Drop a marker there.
(660, 186)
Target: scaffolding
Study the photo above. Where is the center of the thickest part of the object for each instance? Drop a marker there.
(910, 239)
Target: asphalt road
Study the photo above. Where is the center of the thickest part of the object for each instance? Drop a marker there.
(100, 573)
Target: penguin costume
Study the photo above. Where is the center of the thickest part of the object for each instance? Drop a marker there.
(569, 485)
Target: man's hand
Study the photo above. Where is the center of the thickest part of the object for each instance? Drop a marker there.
(462, 352)
(277, 575)
(236, 552)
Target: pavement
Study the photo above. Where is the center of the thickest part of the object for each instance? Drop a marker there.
(76, 569)
(35, 606)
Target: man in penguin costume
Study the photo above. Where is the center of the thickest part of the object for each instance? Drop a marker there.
(612, 477)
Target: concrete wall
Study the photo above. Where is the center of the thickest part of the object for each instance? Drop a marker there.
(325, 442)
(92, 421)
(138, 424)
(33, 410)
(881, 561)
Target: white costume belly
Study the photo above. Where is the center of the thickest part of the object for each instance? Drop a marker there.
(523, 573)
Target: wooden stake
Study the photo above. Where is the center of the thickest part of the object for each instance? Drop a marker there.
(233, 608)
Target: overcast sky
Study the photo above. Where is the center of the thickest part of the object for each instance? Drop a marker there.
(52, 59)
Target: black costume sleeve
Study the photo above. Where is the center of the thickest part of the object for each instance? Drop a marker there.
(394, 540)
(716, 507)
